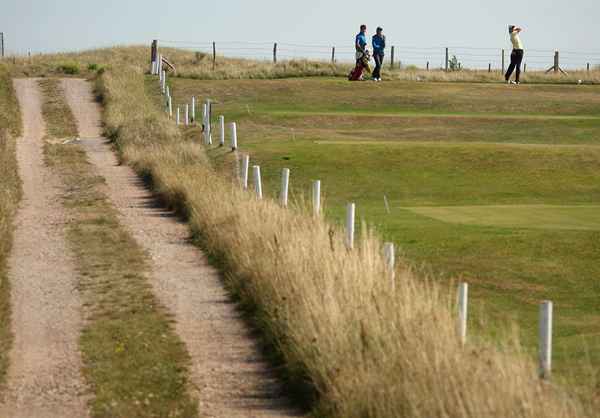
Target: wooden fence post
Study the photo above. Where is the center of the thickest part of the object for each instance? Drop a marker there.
(490, 67)
(154, 51)
(463, 301)
(333, 55)
(392, 57)
(447, 59)
(245, 169)
(556, 61)
(503, 63)
(275, 53)
(350, 218)
(545, 339)
(525, 67)
(588, 67)
(427, 65)
(233, 128)
(285, 186)
(1, 44)
(257, 182)
(222, 131)
(317, 197)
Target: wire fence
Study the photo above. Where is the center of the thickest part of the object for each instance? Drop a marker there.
(396, 55)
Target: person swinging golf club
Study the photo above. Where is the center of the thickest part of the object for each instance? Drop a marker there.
(516, 57)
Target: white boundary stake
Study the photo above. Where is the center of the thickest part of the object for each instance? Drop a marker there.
(187, 114)
(350, 215)
(233, 128)
(164, 82)
(317, 197)
(170, 107)
(168, 91)
(153, 68)
(222, 131)
(546, 339)
(257, 182)
(463, 303)
(245, 169)
(159, 68)
(178, 117)
(193, 109)
(285, 187)
(390, 261)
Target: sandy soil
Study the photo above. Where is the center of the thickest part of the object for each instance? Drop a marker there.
(44, 376)
(228, 374)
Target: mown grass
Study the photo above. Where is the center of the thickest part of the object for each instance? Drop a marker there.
(479, 150)
(133, 360)
(10, 186)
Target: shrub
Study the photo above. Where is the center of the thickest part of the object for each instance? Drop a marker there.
(70, 68)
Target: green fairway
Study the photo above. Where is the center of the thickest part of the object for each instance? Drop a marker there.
(488, 183)
(585, 218)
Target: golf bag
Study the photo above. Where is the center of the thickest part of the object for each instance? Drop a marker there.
(362, 65)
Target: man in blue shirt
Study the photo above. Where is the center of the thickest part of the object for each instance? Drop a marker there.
(361, 39)
(378, 53)
(362, 57)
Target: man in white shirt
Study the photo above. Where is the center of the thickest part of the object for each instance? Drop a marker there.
(516, 57)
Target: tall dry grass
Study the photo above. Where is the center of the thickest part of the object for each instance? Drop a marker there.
(367, 348)
(10, 192)
(200, 66)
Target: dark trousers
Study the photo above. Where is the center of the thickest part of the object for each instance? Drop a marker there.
(516, 58)
(378, 63)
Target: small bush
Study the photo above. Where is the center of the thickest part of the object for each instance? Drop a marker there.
(93, 67)
(70, 68)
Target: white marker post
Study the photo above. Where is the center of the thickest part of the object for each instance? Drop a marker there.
(178, 117)
(168, 91)
(545, 339)
(350, 214)
(187, 114)
(222, 131)
(285, 186)
(257, 182)
(463, 302)
(164, 82)
(153, 68)
(193, 109)
(170, 107)
(245, 169)
(389, 253)
(233, 128)
(159, 68)
(317, 197)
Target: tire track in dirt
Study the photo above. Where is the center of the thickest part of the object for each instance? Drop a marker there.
(230, 377)
(44, 378)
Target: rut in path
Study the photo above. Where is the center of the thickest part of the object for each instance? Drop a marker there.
(44, 374)
(231, 379)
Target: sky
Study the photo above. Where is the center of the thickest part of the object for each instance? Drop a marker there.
(420, 29)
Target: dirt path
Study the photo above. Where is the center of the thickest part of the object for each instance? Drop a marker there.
(230, 377)
(44, 376)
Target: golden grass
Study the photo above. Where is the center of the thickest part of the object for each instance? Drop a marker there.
(368, 348)
(10, 193)
(199, 65)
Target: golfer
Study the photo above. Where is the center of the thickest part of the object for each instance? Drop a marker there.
(516, 57)
(378, 53)
(362, 55)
